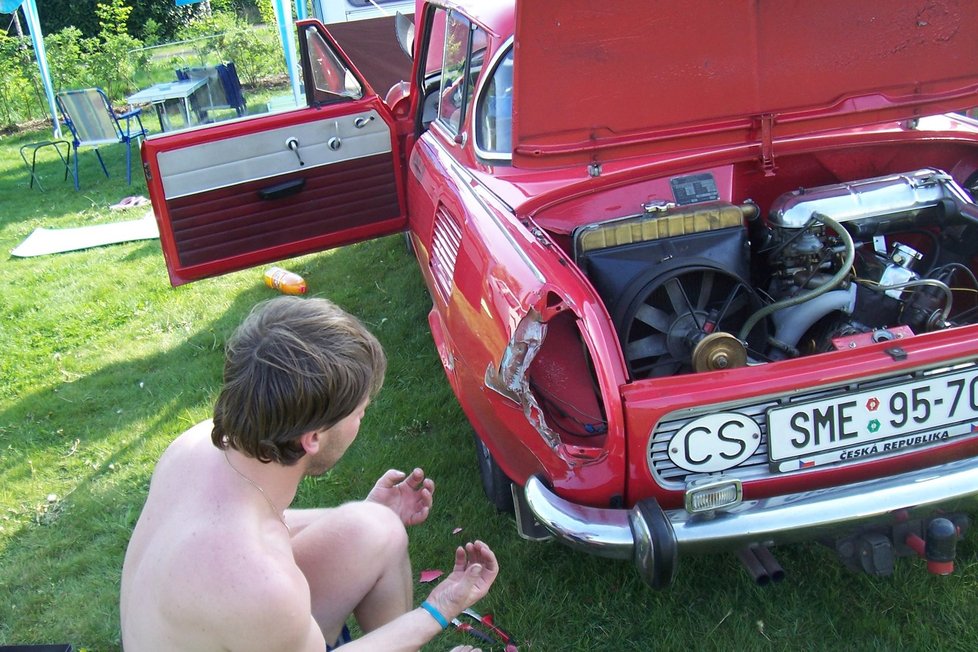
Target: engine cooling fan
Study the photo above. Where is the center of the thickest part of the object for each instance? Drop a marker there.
(683, 320)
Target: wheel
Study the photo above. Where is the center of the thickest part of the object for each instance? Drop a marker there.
(494, 482)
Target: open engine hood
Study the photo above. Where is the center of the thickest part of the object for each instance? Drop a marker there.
(596, 81)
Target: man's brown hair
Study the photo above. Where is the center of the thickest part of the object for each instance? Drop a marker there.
(294, 365)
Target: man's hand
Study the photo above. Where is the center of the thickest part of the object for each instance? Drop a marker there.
(475, 571)
(409, 496)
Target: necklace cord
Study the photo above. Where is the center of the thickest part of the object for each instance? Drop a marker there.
(280, 515)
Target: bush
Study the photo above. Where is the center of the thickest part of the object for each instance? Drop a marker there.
(112, 59)
(114, 62)
(255, 51)
(66, 52)
(16, 96)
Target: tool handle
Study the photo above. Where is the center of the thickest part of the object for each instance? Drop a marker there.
(499, 632)
(478, 633)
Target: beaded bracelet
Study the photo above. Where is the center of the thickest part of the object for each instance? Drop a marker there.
(427, 606)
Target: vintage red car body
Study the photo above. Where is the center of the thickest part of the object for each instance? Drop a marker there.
(671, 262)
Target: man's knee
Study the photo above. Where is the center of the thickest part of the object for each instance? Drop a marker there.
(373, 527)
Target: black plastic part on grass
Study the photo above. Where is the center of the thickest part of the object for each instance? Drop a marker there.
(59, 647)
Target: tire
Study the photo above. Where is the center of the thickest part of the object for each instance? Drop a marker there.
(495, 483)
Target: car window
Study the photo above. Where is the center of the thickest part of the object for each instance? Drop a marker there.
(494, 115)
(464, 48)
(436, 41)
(332, 80)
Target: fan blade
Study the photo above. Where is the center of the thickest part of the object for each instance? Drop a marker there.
(706, 290)
(735, 303)
(657, 319)
(677, 296)
(646, 347)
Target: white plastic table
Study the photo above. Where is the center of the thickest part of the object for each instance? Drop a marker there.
(160, 94)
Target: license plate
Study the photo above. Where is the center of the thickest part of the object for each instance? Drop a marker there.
(873, 422)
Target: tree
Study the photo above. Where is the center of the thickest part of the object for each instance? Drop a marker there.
(163, 16)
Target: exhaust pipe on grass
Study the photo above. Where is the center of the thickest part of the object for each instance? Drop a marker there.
(763, 568)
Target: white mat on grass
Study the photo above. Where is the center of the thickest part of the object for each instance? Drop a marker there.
(55, 241)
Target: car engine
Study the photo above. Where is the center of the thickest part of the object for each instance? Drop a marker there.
(716, 285)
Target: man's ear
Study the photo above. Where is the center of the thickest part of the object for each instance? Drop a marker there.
(312, 441)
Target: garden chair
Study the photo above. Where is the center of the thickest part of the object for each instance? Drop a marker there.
(223, 89)
(89, 115)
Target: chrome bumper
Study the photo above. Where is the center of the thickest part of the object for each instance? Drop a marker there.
(655, 539)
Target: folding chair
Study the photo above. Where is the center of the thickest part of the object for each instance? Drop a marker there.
(89, 116)
(32, 166)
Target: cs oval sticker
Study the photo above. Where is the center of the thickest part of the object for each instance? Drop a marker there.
(715, 442)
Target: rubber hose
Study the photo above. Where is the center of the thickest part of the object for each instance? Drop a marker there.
(833, 282)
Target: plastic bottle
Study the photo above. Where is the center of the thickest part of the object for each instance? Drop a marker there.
(284, 281)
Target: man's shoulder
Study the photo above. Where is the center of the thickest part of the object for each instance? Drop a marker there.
(194, 435)
(258, 586)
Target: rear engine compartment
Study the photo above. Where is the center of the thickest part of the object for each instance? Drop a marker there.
(724, 268)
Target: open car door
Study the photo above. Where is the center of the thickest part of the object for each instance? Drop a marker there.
(256, 190)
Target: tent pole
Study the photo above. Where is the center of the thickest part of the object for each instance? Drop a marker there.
(30, 13)
(283, 16)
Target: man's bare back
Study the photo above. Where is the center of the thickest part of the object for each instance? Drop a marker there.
(202, 528)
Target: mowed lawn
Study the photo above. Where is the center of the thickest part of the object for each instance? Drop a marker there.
(102, 364)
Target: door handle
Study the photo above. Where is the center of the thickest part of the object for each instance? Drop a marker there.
(284, 189)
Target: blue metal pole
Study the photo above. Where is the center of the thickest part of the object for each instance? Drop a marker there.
(283, 15)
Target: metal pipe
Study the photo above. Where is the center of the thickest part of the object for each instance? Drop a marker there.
(769, 563)
(832, 283)
(790, 325)
(864, 201)
(753, 566)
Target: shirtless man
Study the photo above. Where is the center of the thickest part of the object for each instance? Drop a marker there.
(217, 562)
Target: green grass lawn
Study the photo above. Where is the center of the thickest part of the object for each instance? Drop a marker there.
(103, 363)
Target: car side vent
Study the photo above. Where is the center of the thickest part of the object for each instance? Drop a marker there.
(445, 242)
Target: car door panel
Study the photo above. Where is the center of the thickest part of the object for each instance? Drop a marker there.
(265, 154)
(248, 192)
(237, 221)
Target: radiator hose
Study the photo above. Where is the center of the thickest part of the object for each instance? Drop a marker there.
(837, 278)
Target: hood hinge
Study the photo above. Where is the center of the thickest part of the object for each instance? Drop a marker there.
(767, 144)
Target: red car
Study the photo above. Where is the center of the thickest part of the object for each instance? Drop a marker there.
(703, 277)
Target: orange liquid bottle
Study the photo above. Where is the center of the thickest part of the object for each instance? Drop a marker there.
(284, 281)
